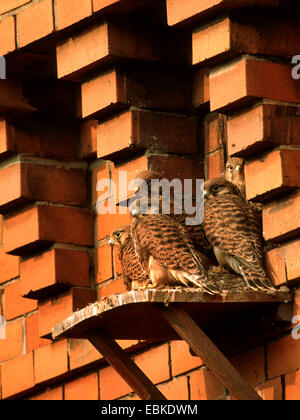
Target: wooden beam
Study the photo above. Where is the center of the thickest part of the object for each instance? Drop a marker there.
(203, 347)
(124, 365)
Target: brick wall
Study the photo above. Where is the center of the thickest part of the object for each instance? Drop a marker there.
(96, 87)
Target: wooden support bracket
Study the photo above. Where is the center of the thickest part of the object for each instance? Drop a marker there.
(124, 365)
(203, 347)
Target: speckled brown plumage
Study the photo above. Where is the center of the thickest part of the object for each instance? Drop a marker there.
(167, 253)
(134, 275)
(196, 232)
(234, 232)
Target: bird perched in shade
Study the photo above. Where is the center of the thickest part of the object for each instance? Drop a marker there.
(234, 232)
(195, 231)
(234, 172)
(167, 253)
(134, 275)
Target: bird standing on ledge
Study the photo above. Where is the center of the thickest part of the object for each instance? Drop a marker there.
(234, 232)
(167, 253)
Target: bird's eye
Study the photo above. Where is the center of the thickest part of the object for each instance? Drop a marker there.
(117, 234)
(230, 167)
(215, 188)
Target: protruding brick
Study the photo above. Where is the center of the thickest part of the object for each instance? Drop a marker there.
(200, 87)
(42, 15)
(244, 35)
(276, 172)
(83, 388)
(286, 213)
(17, 375)
(7, 35)
(138, 130)
(52, 271)
(23, 181)
(33, 339)
(58, 354)
(69, 12)
(14, 304)
(262, 127)
(215, 164)
(53, 310)
(180, 13)
(11, 4)
(251, 79)
(283, 263)
(101, 44)
(133, 86)
(40, 225)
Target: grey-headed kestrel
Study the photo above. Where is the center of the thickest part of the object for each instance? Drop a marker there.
(167, 253)
(234, 232)
(134, 275)
(196, 231)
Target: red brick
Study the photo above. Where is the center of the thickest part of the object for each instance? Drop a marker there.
(84, 388)
(215, 164)
(181, 358)
(14, 304)
(82, 353)
(9, 266)
(53, 310)
(12, 4)
(53, 270)
(7, 35)
(101, 43)
(12, 345)
(115, 286)
(155, 363)
(33, 339)
(283, 263)
(42, 15)
(271, 390)
(38, 225)
(176, 389)
(137, 130)
(200, 87)
(179, 13)
(54, 394)
(262, 127)
(249, 79)
(251, 365)
(17, 375)
(58, 354)
(112, 385)
(286, 212)
(238, 36)
(104, 263)
(214, 132)
(69, 12)
(88, 139)
(277, 363)
(204, 385)
(36, 138)
(292, 386)
(26, 181)
(133, 86)
(12, 99)
(109, 222)
(276, 172)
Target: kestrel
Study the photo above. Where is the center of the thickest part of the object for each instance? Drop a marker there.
(196, 231)
(167, 253)
(234, 172)
(234, 232)
(134, 275)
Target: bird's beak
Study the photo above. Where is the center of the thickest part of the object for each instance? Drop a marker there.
(111, 242)
(134, 212)
(205, 194)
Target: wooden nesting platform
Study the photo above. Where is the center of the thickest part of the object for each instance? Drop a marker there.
(209, 324)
